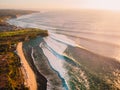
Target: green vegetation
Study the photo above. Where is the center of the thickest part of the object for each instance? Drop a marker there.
(9, 39)
(10, 73)
(27, 32)
(11, 76)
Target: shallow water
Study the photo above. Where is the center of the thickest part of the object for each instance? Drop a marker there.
(82, 46)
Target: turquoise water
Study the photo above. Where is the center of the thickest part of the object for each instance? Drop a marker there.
(82, 47)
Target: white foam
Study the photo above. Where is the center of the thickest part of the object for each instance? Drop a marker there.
(25, 16)
(63, 39)
(55, 62)
(56, 46)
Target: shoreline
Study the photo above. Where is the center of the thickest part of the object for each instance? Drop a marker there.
(41, 65)
(21, 74)
(30, 78)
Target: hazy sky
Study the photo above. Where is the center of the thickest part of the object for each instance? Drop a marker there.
(60, 4)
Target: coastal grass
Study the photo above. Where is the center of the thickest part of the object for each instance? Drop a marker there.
(11, 77)
(27, 31)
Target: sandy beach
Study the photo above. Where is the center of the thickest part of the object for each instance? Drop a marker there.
(30, 79)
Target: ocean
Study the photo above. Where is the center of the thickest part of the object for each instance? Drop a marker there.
(83, 47)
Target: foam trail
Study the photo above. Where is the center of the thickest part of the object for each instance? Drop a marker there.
(56, 63)
(63, 39)
(25, 16)
(20, 22)
(56, 46)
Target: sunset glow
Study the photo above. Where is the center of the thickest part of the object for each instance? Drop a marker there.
(61, 4)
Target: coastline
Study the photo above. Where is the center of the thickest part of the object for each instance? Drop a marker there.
(47, 78)
(21, 74)
(29, 76)
(79, 54)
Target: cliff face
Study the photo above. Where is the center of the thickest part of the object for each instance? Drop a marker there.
(11, 76)
(40, 64)
(41, 80)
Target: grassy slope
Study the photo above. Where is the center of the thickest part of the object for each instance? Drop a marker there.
(11, 77)
(26, 32)
(10, 74)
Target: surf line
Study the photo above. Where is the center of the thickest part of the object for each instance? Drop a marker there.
(64, 83)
